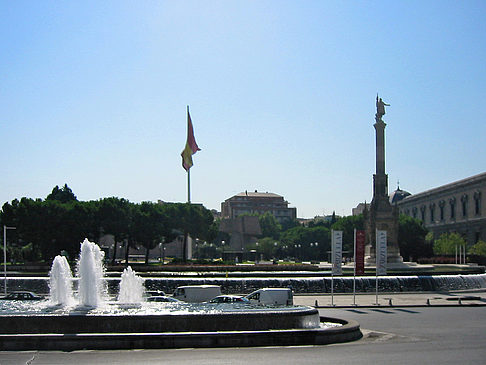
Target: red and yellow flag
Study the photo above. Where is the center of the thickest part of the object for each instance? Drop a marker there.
(191, 145)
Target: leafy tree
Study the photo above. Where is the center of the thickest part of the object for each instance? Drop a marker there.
(298, 242)
(191, 219)
(447, 243)
(411, 239)
(289, 223)
(269, 226)
(348, 225)
(478, 249)
(114, 218)
(266, 247)
(63, 195)
(149, 226)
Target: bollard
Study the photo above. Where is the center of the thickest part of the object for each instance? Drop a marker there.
(390, 302)
(316, 304)
(428, 301)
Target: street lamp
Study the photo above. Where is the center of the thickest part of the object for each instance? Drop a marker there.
(315, 244)
(5, 256)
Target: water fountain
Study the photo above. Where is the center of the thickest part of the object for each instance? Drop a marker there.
(131, 287)
(61, 282)
(97, 323)
(90, 271)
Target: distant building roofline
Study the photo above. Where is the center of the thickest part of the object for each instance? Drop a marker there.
(467, 181)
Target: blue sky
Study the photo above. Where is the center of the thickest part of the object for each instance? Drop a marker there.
(281, 93)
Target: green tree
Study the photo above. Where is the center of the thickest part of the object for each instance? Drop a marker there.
(298, 241)
(448, 243)
(478, 249)
(63, 195)
(411, 239)
(149, 226)
(348, 225)
(267, 247)
(289, 223)
(269, 226)
(114, 218)
(191, 219)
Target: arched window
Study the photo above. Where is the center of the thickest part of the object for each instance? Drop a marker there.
(464, 205)
(441, 209)
(452, 203)
(477, 203)
(422, 213)
(432, 211)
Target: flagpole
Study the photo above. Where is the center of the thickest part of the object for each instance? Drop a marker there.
(332, 266)
(189, 186)
(190, 149)
(376, 265)
(354, 274)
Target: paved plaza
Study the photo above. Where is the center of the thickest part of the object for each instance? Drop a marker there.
(456, 298)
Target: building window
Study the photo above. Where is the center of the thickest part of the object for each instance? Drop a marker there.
(422, 212)
(452, 203)
(477, 203)
(464, 205)
(441, 209)
(414, 212)
(432, 210)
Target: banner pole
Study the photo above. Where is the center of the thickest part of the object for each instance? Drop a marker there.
(354, 274)
(332, 266)
(376, 265)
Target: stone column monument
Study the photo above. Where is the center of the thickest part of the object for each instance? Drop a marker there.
(381, 214)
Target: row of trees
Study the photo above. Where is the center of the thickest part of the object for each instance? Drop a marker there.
(449, 243)
(313, 242)
(60, 222)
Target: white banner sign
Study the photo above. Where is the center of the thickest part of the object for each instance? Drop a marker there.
(337, 252)
(381, 254)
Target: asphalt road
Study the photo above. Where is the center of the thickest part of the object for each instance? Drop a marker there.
(424, 335)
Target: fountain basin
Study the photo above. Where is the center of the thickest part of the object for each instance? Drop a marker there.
(241, 320)
(130, 323)
(340, 331)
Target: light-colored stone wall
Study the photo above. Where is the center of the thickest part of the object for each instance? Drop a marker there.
(457, 207)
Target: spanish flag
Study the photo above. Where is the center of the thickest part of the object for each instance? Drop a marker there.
(191, 145)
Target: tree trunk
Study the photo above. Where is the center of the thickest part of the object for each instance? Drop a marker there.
(127, 251)
(113, 260)
(147, 251)
(184, 247)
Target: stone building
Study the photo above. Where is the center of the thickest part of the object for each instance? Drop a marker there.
(260, 203)
(455, 207)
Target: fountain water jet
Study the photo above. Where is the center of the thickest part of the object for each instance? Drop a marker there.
(90, 273)
(61, 282)
(131, 287)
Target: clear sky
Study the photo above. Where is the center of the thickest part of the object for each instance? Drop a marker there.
(281, 94)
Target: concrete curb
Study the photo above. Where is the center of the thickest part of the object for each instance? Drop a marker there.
(349, 331)
(400, 306)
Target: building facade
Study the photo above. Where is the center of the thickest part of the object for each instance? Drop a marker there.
(258, 203)
(455, 207)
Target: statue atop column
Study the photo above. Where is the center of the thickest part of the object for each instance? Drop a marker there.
(380, 107)
(381, 214)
